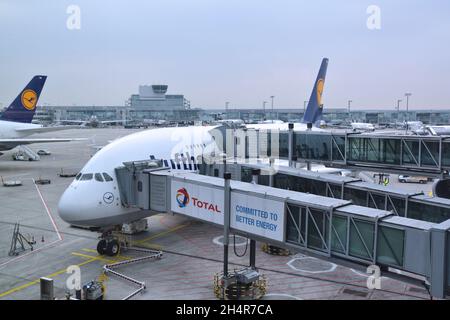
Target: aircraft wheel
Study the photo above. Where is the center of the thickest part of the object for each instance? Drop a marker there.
(101, 247)
(112, 248)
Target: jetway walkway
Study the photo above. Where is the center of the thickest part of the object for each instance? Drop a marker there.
(421, 155)
(402, 203)
(330, 227)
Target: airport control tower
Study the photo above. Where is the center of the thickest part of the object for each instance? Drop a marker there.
(154, 97)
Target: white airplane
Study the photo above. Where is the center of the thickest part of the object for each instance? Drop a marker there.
(313, 112)
(93, 122)
(93, 198)
(15, 121)
(364, 126)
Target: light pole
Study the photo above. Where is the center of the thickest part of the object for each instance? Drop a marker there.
(264, 110)
(398, 112)
(226, 109)
(304, 106)
(407, 95)
(348, 107)
(271, 97)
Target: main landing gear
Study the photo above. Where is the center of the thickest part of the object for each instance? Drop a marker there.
(109, 247)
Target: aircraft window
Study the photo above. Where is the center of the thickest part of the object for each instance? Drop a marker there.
(166, 164)
(172, 163)
(98, 177)
(86, 177)
(78, 176)
(107, 177)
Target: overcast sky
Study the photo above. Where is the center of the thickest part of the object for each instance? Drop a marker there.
(214, 51)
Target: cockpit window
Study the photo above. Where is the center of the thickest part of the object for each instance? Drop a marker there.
(86, 177)
(107, 177)
(78, 176)
(98, 177)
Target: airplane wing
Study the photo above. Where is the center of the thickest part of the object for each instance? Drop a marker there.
(112, 121)
(79, 122)
(7, 144)
(46, 129)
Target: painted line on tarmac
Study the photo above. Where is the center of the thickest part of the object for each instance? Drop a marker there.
(48, 211)
(29, 253)
(31, 283)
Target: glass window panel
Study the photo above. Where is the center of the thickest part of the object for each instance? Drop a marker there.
(86, 177)
(390, 246)
(430, 153)
(284, 144)
(338, 148)
(293, 220)
(426, 212)
(98, 177)
(399, 205)
(410, 152)
(359, 197)
(339, 234)
(361, 236)
(107, 177)
(377, 201)
(317, 229)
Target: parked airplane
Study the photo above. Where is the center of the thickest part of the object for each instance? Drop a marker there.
(93, 198)
(93, 122)
(362, 126)
(313, 113)
(15, 121)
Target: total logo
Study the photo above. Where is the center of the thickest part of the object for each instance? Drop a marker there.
(183, 199)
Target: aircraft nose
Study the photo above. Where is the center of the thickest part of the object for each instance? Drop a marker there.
(68, 208)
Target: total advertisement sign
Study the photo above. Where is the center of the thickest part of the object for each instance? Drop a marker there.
(201, 202)
(255, 215)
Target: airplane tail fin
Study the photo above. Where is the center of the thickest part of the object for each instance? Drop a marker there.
(22, 109)
(313, 112)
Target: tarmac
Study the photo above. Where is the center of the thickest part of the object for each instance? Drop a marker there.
(192, 251)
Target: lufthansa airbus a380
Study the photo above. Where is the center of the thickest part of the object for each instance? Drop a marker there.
(93, 199)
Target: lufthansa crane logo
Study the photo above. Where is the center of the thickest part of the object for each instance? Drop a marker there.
(108, 197)
(182, 197)
(319, 90)
(29, 99)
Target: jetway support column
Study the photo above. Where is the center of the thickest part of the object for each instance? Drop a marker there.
(255, 174)
(439, 260)
(226, 222)
(272, 173)
(291, 143)
(308, 128)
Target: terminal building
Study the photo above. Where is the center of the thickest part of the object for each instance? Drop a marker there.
(153, 103)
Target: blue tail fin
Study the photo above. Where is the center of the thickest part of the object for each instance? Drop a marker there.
(313, 112)
(23, 107)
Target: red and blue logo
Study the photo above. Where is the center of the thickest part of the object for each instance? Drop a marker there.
(182, 197)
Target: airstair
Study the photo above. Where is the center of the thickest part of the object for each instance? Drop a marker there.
(28, 153)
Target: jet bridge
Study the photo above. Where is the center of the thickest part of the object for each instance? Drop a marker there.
(402, 203)
(331, 227)
(421, 155)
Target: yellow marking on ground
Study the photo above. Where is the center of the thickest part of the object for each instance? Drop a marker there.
(119, 256)
(90, 259)
(29, 284)
(161, 233)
